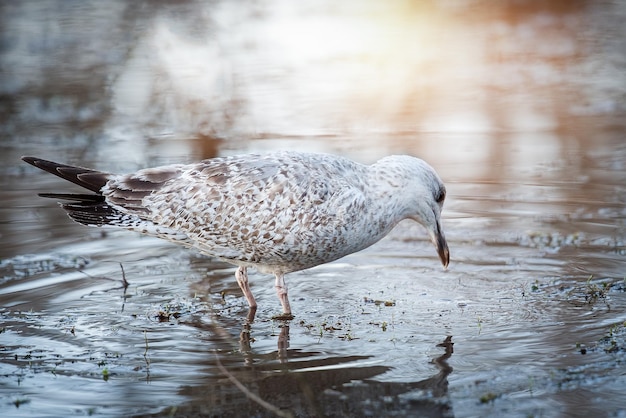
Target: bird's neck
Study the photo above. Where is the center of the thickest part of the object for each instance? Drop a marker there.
(388, 195)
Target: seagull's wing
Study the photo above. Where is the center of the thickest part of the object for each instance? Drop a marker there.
(247, 208)
(254, 208)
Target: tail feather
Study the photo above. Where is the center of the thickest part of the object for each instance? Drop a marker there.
(87, 209)
(101, 214)
(96, 210)
(89, 179)
(92, 213)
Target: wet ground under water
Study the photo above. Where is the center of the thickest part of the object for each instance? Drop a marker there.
(528, 320)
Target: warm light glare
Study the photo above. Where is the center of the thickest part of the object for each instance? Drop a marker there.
(301, 70)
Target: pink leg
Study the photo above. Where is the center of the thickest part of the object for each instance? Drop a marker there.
(242, 279)
(281, 291)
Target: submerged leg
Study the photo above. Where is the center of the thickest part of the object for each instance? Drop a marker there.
(281, 291)
(242, 279)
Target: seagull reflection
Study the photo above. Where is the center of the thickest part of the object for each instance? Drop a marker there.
(306, 383)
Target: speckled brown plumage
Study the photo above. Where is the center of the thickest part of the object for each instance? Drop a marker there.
(278, 212)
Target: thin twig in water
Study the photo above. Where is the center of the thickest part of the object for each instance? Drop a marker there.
(250, 395)
(124, 281)
(145, 355)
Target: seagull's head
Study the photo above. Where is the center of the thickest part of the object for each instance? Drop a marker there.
(422, 194)
(429, 206)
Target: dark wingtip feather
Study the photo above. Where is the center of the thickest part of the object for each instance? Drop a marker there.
(74, 196)
(89, 179)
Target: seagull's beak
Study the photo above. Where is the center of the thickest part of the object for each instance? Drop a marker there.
(439, 240)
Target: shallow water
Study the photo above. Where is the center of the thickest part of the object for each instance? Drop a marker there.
(520, 108)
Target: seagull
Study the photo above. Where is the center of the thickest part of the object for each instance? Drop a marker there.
(278, 212)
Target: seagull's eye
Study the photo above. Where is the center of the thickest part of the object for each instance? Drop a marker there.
(441, 195)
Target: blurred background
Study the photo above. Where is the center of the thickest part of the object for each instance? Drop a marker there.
(88, 79)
